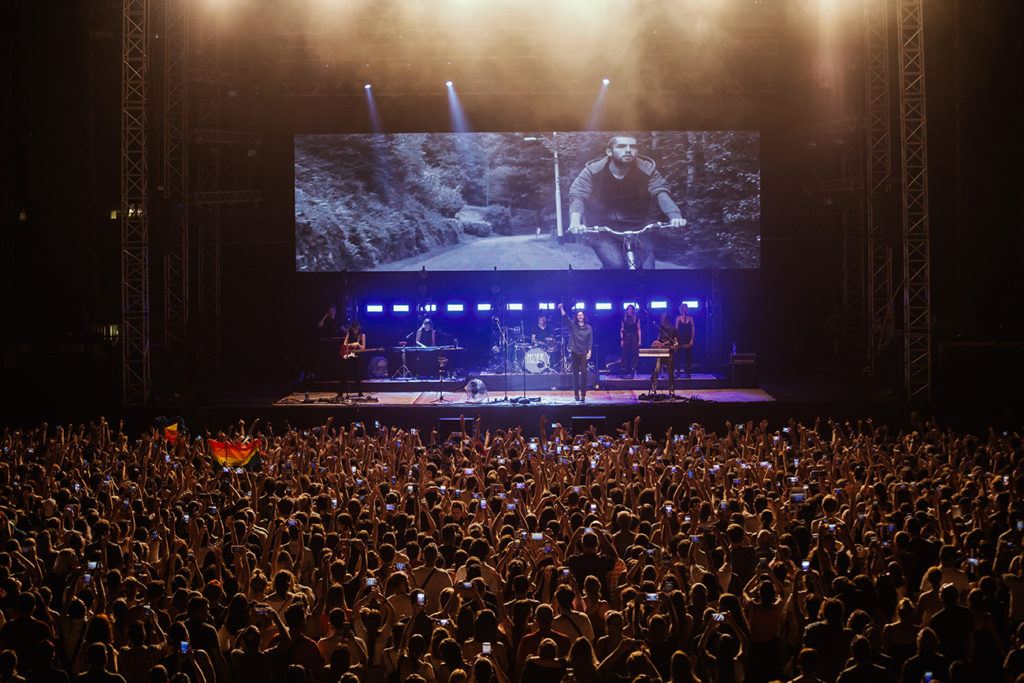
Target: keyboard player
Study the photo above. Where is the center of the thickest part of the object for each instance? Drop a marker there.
(426, 335)
(667, 339)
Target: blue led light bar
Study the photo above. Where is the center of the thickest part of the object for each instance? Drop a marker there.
(515, 307)
(374, 308)
(483, 307)
(455, 308)
(400, 308)
(546, 306)
(603, 306)
(692, 304)
(659, 304)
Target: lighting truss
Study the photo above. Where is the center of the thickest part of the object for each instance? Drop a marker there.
(135, 340)
(917, 328)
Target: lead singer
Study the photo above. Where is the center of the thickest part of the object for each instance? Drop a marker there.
(581, 339)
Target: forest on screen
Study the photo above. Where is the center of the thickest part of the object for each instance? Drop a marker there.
(476, 201)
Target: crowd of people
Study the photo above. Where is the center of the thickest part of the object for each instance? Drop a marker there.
(826, 552)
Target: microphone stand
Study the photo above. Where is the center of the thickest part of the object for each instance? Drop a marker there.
(504, 343)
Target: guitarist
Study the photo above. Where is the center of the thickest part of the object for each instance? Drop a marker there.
(350, 351)
(667, 338)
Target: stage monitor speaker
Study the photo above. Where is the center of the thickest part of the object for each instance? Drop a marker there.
(743, 367)
(581, 423)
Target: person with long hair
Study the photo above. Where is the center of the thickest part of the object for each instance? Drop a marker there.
(682, 669)
(485, 630)
(899, 638)
(630, 338)
(581, 342)
(582, 661)
(765, 609)
(235, 621)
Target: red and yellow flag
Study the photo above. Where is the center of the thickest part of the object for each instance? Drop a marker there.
(234, 453)
(171, 433)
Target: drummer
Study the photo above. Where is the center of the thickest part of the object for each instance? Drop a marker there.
(542, 331)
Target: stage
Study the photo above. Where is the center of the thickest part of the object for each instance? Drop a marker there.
(557, 399)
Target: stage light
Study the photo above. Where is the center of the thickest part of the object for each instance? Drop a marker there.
(483, 307)
(692, 304)
(605, 82)
(580, 306)
(400, 308)
(367, 86)
(659, 305)
(514, 307)
(429, 308)
(627, 304)
(449, 83)
(455, 308)
(546, 306)
(374, 308)
(603, 306)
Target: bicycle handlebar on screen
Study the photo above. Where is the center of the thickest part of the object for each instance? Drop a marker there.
(604, 228)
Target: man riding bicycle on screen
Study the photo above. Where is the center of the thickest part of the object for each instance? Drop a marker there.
(621, 191)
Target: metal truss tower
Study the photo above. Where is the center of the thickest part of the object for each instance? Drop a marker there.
(205, 217)
(917, 330)
(134, 214)
(880, 304)
(175, 174)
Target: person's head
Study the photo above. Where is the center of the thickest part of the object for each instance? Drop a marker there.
(295, 617)
(590, 543)
(808, 660)
(542, 321)
(581, 655)
(158, 674)
(666, 321)
(547, 649)
(927, 640)
(860, 649)
(543, 615)
(684, 309)
(621, 149)
(906, 609)
(8, 663)
(97, 656)
(581, 318)
(353, 327)
(295, 673)
(766, 593)
(564, 597)
(283, 581)
(427, 325)
(832, 611)
(331, 311)
(630, 311)
(949, 594)
(682, 668)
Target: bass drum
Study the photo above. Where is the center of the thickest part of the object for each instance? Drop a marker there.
(536, 360)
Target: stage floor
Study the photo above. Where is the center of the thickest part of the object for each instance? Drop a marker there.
(602, 397)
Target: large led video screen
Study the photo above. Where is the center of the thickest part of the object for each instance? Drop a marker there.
(527, 201)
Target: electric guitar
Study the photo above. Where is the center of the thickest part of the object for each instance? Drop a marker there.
(671, 345)
(352, 350)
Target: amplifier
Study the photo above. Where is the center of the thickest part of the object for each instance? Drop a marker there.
(743, 367)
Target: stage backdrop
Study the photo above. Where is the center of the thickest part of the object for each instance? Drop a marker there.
(476, 201)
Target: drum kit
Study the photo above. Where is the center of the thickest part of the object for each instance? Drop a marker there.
(543, 356)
